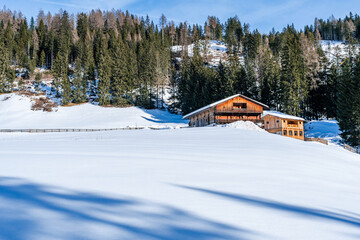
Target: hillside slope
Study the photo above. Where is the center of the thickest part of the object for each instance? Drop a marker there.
(199, 183)
(16, 113)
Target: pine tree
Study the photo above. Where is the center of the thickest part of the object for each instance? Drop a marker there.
(332, 92)
(66, 88)
(220, 85)
(61, 81)
(234, 34)
(269, 76)
(7, 75)
(78, 84)
(104, 72)
(147, 74)
(119, 74)
(132, 71)
(37, 82)
(294, 84)
(233, 75)
(349, 102)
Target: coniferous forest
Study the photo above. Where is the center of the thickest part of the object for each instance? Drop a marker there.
(116, 58)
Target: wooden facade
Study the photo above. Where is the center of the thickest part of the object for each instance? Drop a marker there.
(285, 125)
(228, 110)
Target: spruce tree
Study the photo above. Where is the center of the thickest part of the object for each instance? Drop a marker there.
(61, 80)
(331, 92)
(220, 85)
(269, 77)
(104, 72)
(294, 84)
(147, 74)
(7, 75)
(119, 73)
(78, 84)
(349, 102)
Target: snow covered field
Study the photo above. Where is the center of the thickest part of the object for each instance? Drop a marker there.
(199, 183)
(16, 113)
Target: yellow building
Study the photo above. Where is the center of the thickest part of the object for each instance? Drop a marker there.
(284, 124)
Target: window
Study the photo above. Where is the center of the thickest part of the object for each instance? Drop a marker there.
(284, 121)
(300, 133)
(285, 132)
(239, 105)
(277, 121)
(267, 122)
(295, 133)
(290, 132)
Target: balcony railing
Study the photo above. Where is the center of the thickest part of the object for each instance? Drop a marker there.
(292, 126)
(223, 121)
(242, 110)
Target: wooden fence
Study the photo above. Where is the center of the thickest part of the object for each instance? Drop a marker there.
(350, 148)
(68, 130)
(320, 140)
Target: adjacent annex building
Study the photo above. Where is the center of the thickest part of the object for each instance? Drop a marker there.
(228, 110)
(284, 124)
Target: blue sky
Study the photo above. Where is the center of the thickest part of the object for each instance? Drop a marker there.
(261, 14)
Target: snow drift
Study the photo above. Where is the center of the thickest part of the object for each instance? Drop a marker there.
(245, 125)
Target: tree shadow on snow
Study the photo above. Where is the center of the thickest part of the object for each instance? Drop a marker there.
(348, 219)
(160, 116)
(32, 211)
(156, 120)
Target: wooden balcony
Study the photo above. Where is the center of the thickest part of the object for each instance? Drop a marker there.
(224, 121)
(238, 112)
(243, 110)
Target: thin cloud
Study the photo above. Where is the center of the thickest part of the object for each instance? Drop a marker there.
(89, 4)
(62, 4)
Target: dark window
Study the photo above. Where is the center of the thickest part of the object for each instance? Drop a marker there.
(285, 133)
(290, 132)
(295, 133)
(300, 133)
(292, 122)
(284, 121)
(267, 122)
(239, 105)
(277, 121)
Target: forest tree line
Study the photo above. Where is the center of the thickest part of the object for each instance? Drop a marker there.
(114, 57)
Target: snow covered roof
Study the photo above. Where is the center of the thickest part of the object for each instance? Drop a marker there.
(224, 100)
(282, 115)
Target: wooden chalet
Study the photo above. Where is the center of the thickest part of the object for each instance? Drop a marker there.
(228, 110)
(284, 124)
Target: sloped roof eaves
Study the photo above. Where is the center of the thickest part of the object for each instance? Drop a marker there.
(210, 105)
(254, 101)
(281, 115)
(221, 101)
